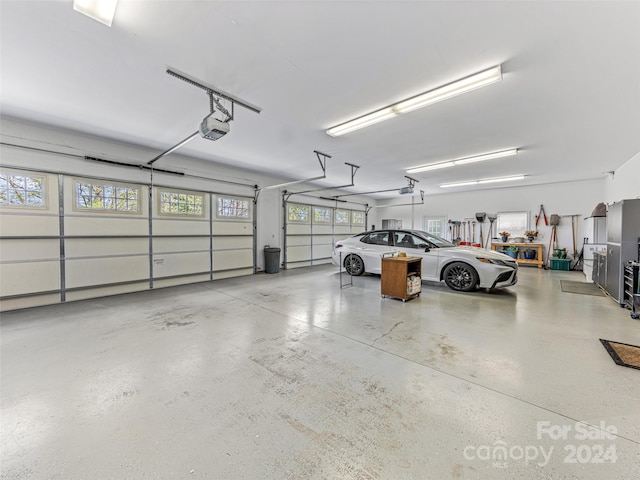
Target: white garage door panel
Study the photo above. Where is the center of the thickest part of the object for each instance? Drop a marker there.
(168, 265)
(295, 254)
(225, 243)
(170, 282)
(96, 247)
(357, 229)
(168, 245)
(321, 251)
(19, 278)
(12, 250)
(100, 271)
(126, 225)
(232, 228)
(171, 226)
(230, 274)
(28, 225)
(298, 241)
(323, 240)
(27, 302)
(295, 229)
(322, 229)
(105, 291)
(342, 230)
(232, 259)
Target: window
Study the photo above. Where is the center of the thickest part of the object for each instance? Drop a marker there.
(376, 238)
(229, 207)
(516, 223)
(298, 213)
(342, 217)
(433, 225)
(406, 240)
(181, 203)
(357, 218)
(107, 197)
(21, 190)
(321, 215)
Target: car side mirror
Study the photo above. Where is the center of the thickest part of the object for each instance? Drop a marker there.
(427, 249)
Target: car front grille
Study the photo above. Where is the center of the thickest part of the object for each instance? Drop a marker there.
(503, 277)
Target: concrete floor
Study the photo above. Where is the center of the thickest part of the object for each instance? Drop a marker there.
(287, 376)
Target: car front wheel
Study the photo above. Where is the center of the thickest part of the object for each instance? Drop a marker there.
(354, 265)
(460, 276)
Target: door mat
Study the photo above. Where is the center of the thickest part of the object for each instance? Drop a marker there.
(623, 354)
(583, 288)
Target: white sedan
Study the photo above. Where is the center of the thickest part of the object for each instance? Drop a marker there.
(462, 268)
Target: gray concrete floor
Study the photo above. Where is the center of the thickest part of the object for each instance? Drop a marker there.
(287, 376)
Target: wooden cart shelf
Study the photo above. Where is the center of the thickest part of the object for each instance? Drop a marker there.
(396, 273)
(539, 260)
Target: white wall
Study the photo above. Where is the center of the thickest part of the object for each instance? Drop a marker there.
(625, 182)
(561, 198)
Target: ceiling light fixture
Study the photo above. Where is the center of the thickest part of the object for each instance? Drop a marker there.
(488, 180)
(477, 80)
(464, 161)
(102, 11)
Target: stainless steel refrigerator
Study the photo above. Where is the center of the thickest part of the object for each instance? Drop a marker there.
(623, 234)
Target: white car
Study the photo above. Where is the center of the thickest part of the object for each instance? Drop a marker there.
(462, 268)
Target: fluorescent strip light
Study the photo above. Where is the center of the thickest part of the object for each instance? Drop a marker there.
(433, 166)
(486, 77)
(361, 122)
(503, 179)
(464, 161)
(102, 11)
(461, 184)
(486, 156)
(477, 80)
(488, 180)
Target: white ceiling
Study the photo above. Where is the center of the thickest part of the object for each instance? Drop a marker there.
(569, 99)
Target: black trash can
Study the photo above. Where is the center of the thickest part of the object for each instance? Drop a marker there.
(271, 259)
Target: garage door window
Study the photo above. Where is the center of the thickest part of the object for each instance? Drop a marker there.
(181, 203)
(230, 207)
(357, 218)
(107, 197)
(21, 190)
(298, 213)
(342, 217)
(321, 215)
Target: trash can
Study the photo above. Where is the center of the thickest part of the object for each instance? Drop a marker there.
(271, 259)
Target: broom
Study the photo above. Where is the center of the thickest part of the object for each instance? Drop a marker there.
(480, 216)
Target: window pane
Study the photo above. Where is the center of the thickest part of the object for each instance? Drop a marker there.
(298, 213)
(342, 217)
(321, 215)
(357, 218)
(105, 197)
(513, 222)
(21, 190)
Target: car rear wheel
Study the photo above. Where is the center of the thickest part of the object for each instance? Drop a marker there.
(354, 265)
(460, 276)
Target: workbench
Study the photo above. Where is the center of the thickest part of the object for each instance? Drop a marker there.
(539, 260)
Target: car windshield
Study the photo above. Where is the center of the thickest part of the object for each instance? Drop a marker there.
(437, 241)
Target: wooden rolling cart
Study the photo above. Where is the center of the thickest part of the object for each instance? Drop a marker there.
(401, 277)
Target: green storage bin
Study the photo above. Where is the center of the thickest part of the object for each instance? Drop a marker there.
(560, 263)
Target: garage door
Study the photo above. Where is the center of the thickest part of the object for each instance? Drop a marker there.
(311, 230)
(68, 238)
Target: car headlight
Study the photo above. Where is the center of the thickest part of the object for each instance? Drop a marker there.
(492, 260)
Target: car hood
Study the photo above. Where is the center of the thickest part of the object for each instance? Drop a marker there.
(481, 252)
